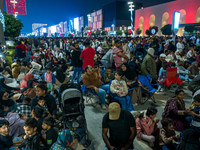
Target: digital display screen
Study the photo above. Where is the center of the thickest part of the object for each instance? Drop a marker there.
(176, 20)
(76, 24)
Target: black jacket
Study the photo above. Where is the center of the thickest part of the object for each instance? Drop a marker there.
(31, 143)
(50, 101)
(76, 62)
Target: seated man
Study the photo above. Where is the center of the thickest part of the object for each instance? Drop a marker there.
(92, 78)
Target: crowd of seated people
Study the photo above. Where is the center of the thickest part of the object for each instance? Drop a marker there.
(106, 65)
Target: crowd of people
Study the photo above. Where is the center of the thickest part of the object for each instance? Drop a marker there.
(108, 66)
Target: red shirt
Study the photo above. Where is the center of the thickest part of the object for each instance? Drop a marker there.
(88, 57)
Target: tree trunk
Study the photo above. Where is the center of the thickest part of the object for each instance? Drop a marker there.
(2, 40)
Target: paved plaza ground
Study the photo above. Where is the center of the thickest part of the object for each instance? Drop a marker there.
(94, 117)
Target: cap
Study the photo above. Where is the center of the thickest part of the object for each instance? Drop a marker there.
(114, 111)
(162, 55)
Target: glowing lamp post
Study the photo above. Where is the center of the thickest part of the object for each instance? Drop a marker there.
(131, 6)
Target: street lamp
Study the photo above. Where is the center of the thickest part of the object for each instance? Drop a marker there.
(89, 20)
(131, 9)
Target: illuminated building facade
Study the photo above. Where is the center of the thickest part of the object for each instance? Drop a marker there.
(160, 15)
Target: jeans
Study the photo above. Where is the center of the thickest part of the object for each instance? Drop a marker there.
(28, 54)
(117, 149)
(102, 92)
(185, 76)
(16, 139)
(77, 73)
(105, 63)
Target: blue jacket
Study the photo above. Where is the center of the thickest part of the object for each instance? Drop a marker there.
(52, 77)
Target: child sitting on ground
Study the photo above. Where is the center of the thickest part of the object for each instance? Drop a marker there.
(25, 109)
(37, 113)
(108, 76)
(168, 135)
(119, 90)
(50, 137)
(162, 74)
(49, 77)
(6, 142)
(31, 139)
(41, 104)
(55, 95)
(195, 112)
(147, 128)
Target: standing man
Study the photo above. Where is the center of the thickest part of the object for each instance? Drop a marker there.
(121, 126)
(131, 46)
(180, 46)
(76, 63)
(107, 59)
(106, 46)
(87, 55)
(149, 65)
(118, 55)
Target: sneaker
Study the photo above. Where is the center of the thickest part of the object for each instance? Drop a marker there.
(103, 106)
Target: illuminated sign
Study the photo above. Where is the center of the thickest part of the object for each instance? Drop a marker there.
(153, 31)
(76, 24)
(176, 20)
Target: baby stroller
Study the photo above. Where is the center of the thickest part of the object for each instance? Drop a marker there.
(71, 103)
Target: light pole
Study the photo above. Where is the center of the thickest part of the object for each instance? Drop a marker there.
(131, 6)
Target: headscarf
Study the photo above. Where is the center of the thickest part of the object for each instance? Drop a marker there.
(129, 73)
(193, 69)
(26, 78)
(8, 102)
(190, 140)
(64, 139)
(60, 76)
(5, 87)
(29, 83)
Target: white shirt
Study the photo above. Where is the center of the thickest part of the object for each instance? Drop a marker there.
(180, 46)
(60, 55)
(198, 41)
(36, 54)
(61, 45)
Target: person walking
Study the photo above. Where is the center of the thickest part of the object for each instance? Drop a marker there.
(76, 63)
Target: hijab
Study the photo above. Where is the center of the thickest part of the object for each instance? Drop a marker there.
(29, 83)
(129, 73)
(8, 102)
(193, 69)
(3, 86)
(60, 76)
(190, 140)
(64, 139)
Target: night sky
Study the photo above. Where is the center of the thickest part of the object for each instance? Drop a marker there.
(52, 12)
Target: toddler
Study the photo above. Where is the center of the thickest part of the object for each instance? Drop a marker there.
(49, 77)
(49, 134)
(119, 90)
